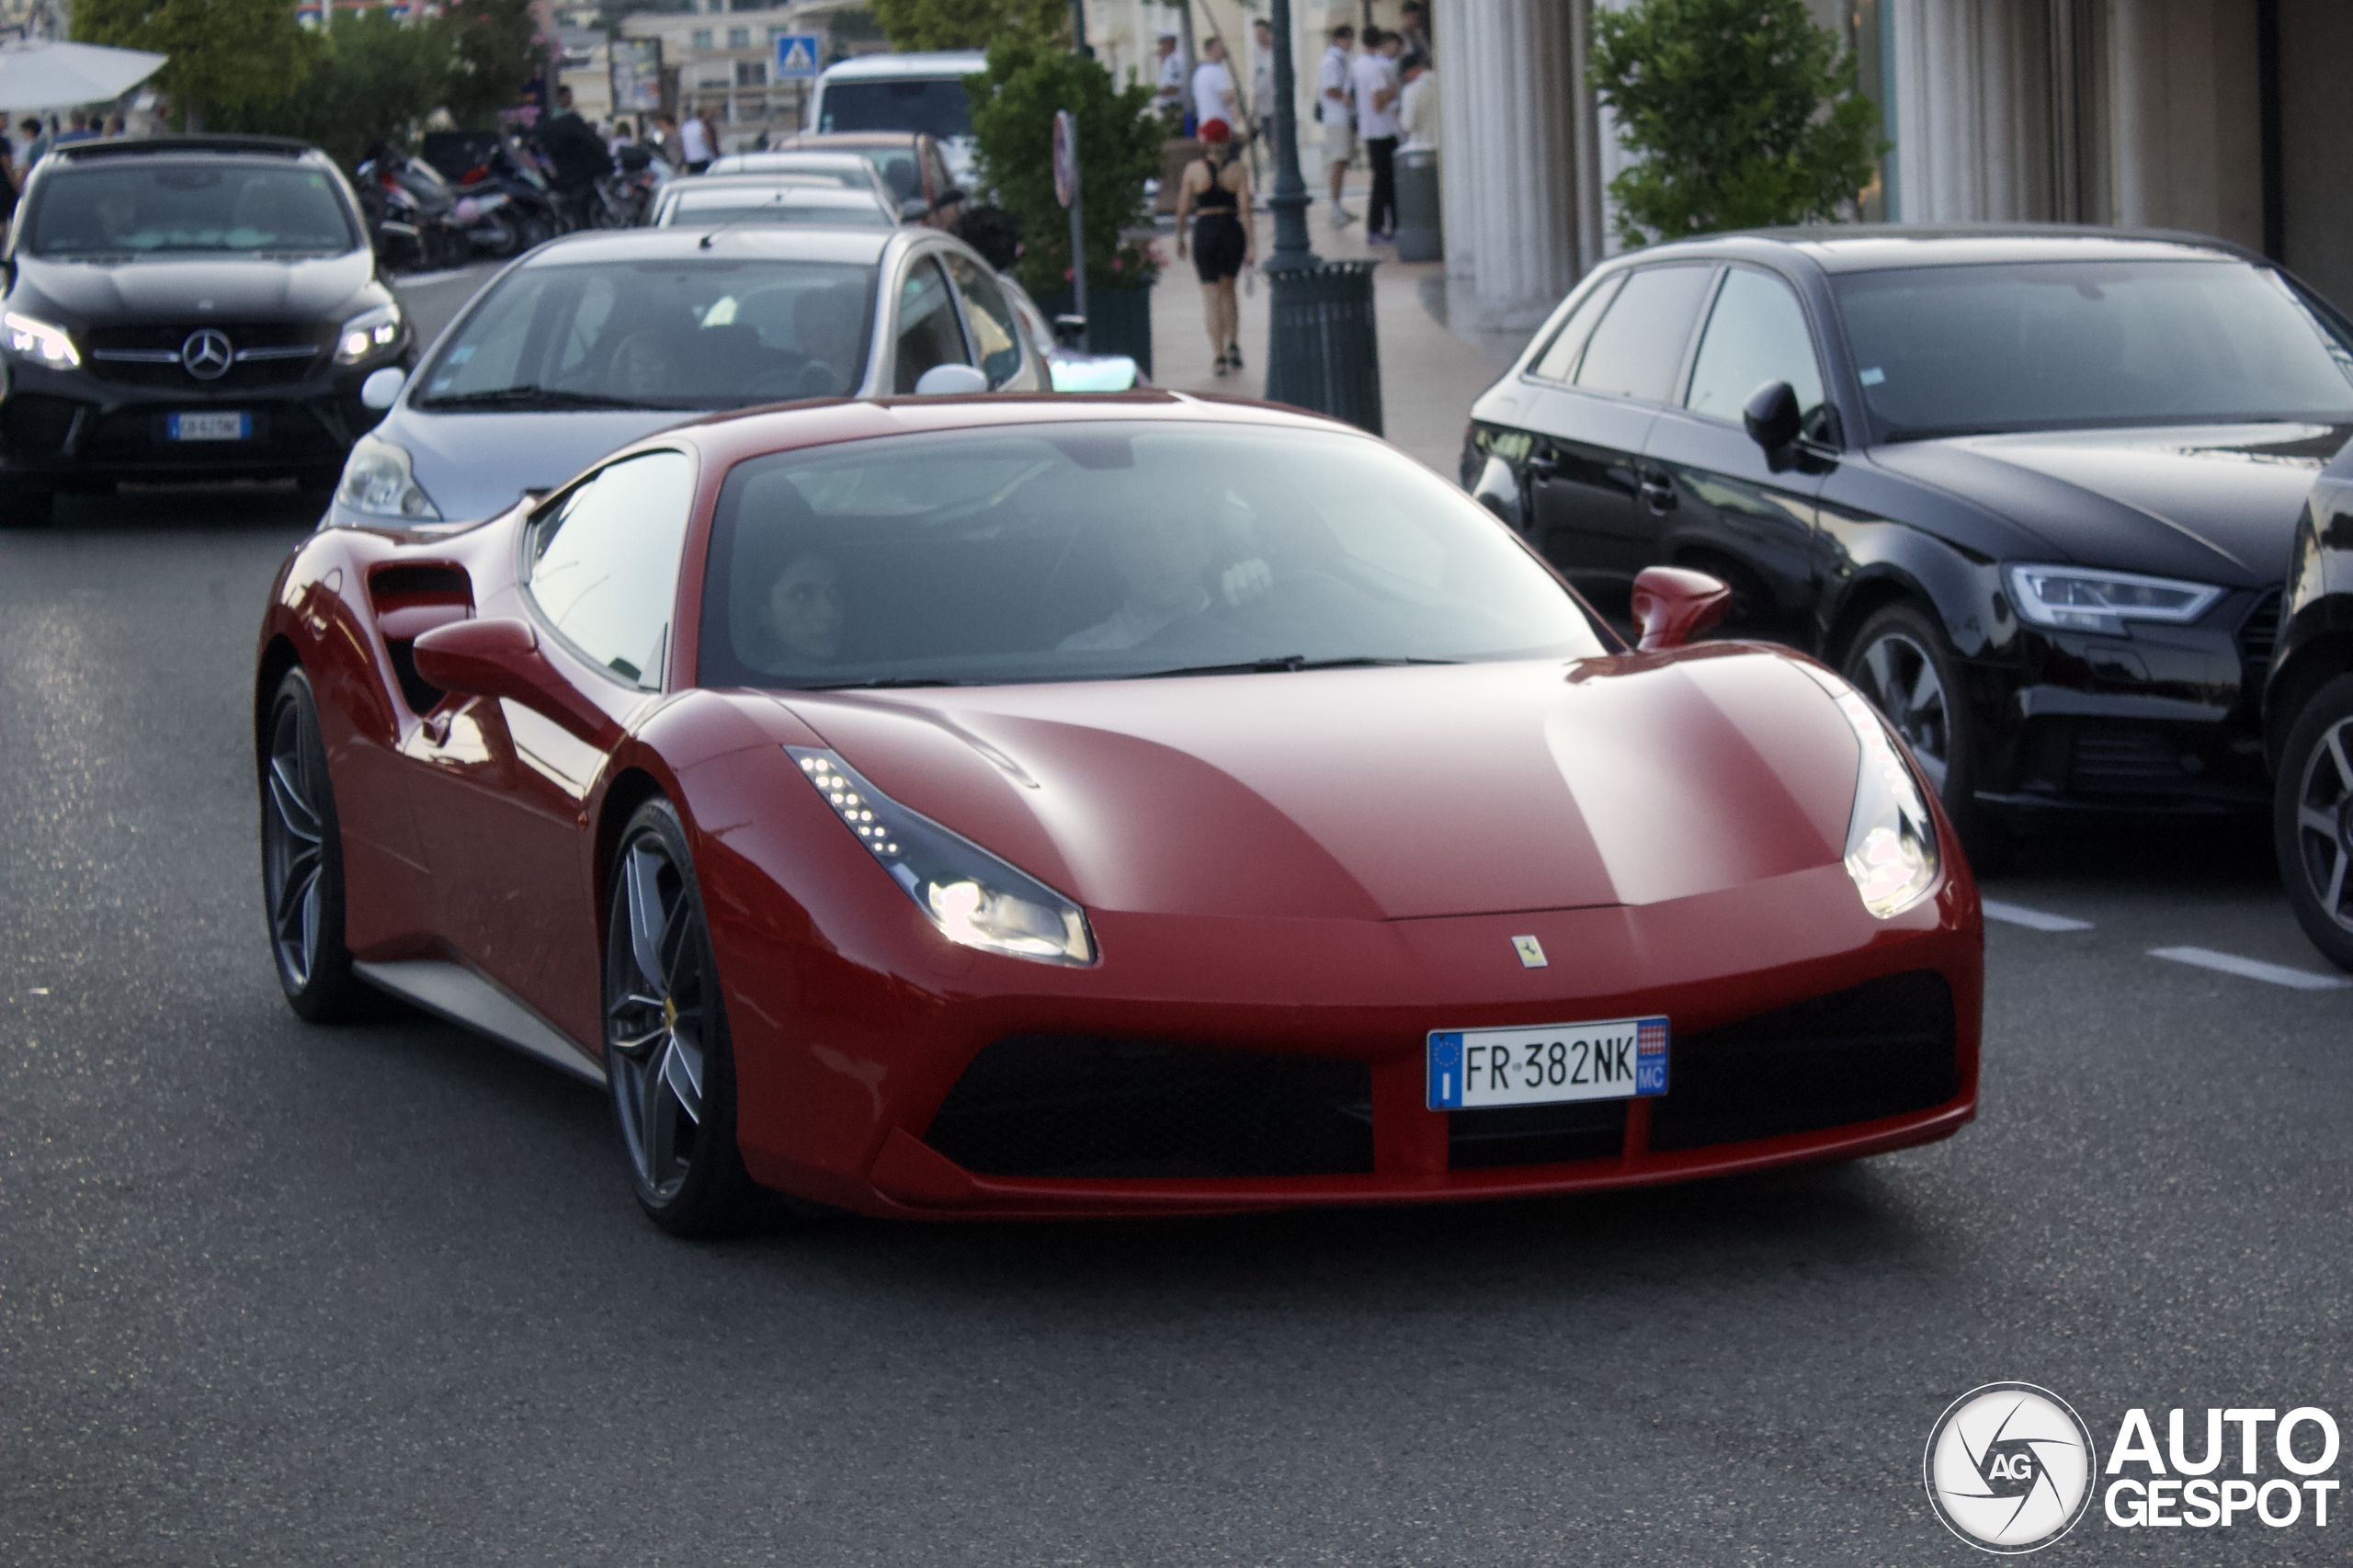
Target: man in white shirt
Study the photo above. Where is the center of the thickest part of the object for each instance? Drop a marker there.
(1262, 93)
(1213, 97)
(1375, 75)
(694, 141)
(1418, 110)
(1334, 108)
(1169, 98)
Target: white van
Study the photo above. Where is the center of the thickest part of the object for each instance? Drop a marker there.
(903, 92)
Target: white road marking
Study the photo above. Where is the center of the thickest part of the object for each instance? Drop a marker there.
(2032, 919)
(2252, 969)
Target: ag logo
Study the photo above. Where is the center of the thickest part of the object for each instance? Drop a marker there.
(2010, 1467)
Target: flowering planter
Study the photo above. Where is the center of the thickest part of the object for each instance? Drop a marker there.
(1119, 321)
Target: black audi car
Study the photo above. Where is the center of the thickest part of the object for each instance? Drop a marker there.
(2308, 717)
(2032, 490)
(185, 307)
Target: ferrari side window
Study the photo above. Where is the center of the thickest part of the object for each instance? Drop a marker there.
(603, 565)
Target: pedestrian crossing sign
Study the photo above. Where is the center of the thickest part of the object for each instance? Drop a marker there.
(796, 54)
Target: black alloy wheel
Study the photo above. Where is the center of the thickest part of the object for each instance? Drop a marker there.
(301, 860)
(1902, 662)
(2311, 823)
(667, 1063)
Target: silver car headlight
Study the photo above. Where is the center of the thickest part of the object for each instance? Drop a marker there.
(973, 897)
(368, 334)
(2076, 599)
(1890, 837)
(39, 341)
(378, 481)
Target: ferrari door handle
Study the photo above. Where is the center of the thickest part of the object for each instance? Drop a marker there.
(1658, 493)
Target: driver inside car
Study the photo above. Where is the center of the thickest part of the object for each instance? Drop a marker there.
(1164, 555)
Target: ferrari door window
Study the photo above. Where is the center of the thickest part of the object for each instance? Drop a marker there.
(604, 564)
(994, 329)
(1755, 333)
(1638, 347)
(1559, 360)
(1110, 552)
(929, 331)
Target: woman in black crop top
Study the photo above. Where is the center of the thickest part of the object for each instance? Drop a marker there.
(1216, 194)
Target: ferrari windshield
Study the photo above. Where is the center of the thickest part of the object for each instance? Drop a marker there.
(142, 206)
(1090, 552)
(1947, 351)
(722, 333)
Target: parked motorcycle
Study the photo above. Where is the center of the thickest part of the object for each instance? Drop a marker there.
(487, 164)
(416, 213)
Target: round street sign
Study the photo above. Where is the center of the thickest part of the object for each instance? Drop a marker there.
(1066, 156)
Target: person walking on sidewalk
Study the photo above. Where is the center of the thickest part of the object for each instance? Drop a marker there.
(1226, 239)
(1168, 98)
(1262, 89)
(1336, 109)
(1378, 89)
(1213, 97)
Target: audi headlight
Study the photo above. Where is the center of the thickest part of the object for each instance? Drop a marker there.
(377, 480)
(2077, 600)
(973, 897)
(1890, 837)
(39, 342)
(367, 334)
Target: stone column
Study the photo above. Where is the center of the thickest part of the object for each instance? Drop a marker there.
(1508, 105)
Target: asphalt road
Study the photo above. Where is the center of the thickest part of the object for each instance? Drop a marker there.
(272, 1294)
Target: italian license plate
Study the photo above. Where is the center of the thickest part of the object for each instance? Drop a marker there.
(1617, 1059)
(209, 426)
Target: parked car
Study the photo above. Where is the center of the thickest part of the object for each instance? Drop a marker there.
(910, 163)
(998, 807)
(2308, 717)
(2033, 490)
(915, 92)
(596, 339)
(187, 307)
(846, 169)
(771, 198)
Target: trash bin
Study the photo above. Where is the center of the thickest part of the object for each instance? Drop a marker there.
(1322, 351)
(1418, 234)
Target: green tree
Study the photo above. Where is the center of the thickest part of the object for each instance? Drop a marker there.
(224, 54)
(972, 24)
(1740, 114)
(1119, 147)
(379, 76)
(490, 58)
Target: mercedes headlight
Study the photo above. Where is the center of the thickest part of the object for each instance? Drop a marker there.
(973, 897)
(1890, 837)
(367, 334)
(377, 480)
(2076, 599)
(39, 342)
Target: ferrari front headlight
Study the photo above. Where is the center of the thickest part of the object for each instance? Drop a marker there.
(973, 897)
(378, 481)
(1890, 836)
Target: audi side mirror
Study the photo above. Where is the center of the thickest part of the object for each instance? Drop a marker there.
(382, 388)
(1673, 605)
(950, 381)
(1771, 419)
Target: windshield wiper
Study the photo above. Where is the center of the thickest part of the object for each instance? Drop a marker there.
(1285, 664)
(879, 682)
(550, 397)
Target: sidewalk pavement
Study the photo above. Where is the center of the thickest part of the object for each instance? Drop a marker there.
(1428, 375)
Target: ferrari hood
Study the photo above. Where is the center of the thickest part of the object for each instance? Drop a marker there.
(1377, 794)
(2214, 504)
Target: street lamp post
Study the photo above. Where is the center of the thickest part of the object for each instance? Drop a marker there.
(1291, 200)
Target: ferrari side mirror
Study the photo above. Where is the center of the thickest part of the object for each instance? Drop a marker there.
(484, 658)
(1772, 421)
(1672, 604)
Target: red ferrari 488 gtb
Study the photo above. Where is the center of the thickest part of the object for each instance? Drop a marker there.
(1016, 806)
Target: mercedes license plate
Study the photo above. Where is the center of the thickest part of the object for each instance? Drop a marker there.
(209, 426)
(1617, 1059)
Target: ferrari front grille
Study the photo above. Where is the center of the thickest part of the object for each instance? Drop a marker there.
(1087, 1106)
(1884, 1048)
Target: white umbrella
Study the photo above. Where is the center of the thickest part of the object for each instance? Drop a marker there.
(57, 76)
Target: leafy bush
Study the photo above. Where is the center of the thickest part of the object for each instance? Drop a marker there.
(1740, 114)
(377, 76)
(224, 54)
(1119, 147)
(970, 23)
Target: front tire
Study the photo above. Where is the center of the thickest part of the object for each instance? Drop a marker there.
(669, 1066)
(2312, 820)
(301, 860)
(1902, 662)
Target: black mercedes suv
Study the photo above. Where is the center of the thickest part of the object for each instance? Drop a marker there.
(184, 308)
